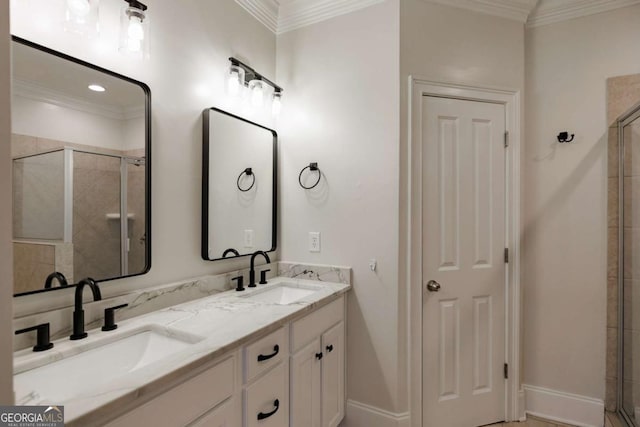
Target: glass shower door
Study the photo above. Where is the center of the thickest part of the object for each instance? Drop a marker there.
(629, 401)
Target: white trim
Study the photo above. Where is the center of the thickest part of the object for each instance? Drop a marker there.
(517, 10)
(265, 11)
(419, 87)
(298, 14)
(563, 407)
(362, 415)
(550, 13)
(29, 90)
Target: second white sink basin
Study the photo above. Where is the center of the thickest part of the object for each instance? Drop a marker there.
(78, 375)
(282, 293)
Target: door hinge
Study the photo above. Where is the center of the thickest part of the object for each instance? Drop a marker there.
(506, 255)
(506, 139)
(506, 371)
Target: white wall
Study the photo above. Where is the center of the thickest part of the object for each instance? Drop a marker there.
(186, 75)
(341, 110)
(564, 272)
(6, 260)
(445, 44)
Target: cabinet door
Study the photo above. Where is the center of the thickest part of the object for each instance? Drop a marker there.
(227, 414)
(305, 386)
(333, 376)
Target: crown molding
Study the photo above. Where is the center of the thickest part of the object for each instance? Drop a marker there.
(29, 90)
(551, 12)
(300, 13)
(517, 10)
(265, 11)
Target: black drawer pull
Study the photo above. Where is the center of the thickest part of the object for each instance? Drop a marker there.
(319, 356)
(262, 415)
(276, 350)
(329, 348)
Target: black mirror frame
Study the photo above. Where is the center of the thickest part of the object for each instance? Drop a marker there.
(205, 184)
(147, 125)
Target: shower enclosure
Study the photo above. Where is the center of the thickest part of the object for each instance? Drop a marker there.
(87, 205)
(629, 268)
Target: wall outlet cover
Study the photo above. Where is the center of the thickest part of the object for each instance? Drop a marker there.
(314, 241)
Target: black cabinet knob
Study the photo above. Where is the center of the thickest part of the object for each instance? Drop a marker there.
(329, 348)
(319, 356)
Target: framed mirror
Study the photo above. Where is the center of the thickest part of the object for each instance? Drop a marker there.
(81, 149)
(239, 175)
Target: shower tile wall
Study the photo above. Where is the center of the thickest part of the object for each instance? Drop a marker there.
(96, 193)
(622, 94)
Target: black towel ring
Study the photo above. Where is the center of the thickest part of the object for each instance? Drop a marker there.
(312, 167)
(247, 172)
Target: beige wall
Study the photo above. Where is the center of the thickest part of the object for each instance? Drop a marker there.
(6, 263)
(341, 110)
(483, 50)
(186, 74)
(565, 219)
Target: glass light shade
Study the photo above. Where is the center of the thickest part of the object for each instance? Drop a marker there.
(276, 105)
(235, 81)
(81, 16)
(134, 32)
(256, 87)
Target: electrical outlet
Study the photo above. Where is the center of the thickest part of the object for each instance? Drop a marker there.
(248, 238)
(314, 241)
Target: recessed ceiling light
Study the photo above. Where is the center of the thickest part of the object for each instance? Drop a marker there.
(97, 88)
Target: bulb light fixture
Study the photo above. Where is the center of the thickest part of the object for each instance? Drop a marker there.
(81, 16)
(134, 29)
(240, 75)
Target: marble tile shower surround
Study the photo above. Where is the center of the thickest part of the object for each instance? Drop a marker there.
(147, 300)
(622, 94)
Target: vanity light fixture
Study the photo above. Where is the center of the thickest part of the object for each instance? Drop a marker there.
(134, 29)
(241, 75)
(81, 16)
(96, 88)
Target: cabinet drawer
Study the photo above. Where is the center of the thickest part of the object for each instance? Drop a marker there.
(309, 328)
(227, 414)
(264, 354)
(267, 400)
(186, 402)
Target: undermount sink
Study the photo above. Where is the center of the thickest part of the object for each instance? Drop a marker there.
(283, 293)
(80, 374)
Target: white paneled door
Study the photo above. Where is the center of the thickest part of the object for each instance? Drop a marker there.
(464, 269)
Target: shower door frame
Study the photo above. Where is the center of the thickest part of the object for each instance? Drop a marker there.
(627, 118)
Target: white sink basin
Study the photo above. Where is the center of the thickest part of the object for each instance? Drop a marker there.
(282, 293)
(80, 374)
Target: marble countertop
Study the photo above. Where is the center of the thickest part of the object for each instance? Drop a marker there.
(218, 324)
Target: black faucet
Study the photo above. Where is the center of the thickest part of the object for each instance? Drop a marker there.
(252, 272)
(78, 313)
(62, 281)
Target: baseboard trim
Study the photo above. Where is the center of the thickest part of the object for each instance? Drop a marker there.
(362, 415)
(564, 407)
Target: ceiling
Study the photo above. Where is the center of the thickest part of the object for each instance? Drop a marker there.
(281, 16)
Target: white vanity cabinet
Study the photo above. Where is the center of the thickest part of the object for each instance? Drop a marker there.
(209, 399)
(318, 367)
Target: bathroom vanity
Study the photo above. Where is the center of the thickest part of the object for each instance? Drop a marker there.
(270, 356)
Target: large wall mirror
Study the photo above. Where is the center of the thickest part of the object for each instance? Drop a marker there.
(81, 173)
(238, 186)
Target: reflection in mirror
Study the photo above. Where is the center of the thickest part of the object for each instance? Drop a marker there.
(80, 148)
(239, 186)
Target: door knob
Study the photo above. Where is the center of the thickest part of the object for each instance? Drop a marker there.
(433, 286)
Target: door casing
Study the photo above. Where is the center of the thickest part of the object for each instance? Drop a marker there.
(419, 87)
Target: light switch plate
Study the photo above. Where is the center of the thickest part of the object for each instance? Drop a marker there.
(314, 241)
(248, 238)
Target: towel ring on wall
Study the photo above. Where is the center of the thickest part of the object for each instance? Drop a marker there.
(314, 168)
(248, 172)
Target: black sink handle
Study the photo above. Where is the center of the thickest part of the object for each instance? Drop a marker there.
(276, 350)
(262, 415)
